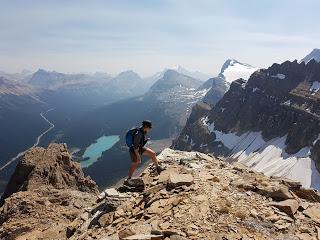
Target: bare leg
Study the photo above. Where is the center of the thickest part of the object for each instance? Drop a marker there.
(132, 168)
(151, 154)
(136, 159)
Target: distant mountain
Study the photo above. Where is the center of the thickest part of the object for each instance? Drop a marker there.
(315, 54)
(270, 123)
(23, 76)
(52, 80)
(173, 79)
(8, 87)
(231, 70)
(128, 84)
(166, 103)
(99, 87)
(194, 74)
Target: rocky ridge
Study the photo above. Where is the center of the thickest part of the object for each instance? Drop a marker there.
(197, 196)
(46, 192)
(202, 197)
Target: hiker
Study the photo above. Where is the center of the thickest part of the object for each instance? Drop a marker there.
(136, 139)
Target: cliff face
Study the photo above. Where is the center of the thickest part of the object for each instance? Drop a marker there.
(47, 189)
(270, 123)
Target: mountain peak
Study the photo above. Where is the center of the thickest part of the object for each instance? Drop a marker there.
(45, 183)
(194, 74)
(172, 79)
(128, 73)
(170, 73)
(41, 70)
(41, 166)
(314, 54)
(232, 70)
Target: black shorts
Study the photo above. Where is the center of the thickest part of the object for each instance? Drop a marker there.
(133, 154)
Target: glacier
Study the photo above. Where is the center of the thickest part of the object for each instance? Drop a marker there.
(269, 157)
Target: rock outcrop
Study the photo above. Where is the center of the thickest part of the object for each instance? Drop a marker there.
(270, 122)
(46, 192)
(197, 196)
(202, 197)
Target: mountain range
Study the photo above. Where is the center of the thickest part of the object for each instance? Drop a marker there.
(271, 123)
(195, 112)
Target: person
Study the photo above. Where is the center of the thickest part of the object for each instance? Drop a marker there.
(137, 148)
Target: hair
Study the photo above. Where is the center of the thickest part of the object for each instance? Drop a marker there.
(147, 123)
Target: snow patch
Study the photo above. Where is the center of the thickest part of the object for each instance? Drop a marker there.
(288, 102)
(270, 157)
(315, 141)
(237, 70)
(204, 120)
(254, 89)
(315, 86)
(279, 75)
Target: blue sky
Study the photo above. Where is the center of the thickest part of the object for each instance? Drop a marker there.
(149, 35)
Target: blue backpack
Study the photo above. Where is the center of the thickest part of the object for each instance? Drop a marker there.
(129, 136)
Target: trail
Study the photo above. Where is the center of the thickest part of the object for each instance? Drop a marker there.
(35, 144)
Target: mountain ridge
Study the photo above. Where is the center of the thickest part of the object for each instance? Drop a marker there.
(314, 54)
(197, 196)
(278, 108)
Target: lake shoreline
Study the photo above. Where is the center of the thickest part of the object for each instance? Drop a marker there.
(95, 150)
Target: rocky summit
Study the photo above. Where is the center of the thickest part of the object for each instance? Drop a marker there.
(47, 191)
(197, 196)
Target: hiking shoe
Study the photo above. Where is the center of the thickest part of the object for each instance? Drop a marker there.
(159, 169)
(128, 182)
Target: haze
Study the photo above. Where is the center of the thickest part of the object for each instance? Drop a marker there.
(147, 36)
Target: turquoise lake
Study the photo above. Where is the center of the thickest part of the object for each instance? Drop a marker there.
(95, 150)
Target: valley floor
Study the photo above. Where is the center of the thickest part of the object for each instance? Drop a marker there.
(20, 154)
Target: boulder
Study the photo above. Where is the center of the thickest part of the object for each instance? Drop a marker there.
(176, 180)
(106, 219)
(177, 237)
(289, 206)
(276, 192)
(308, 194)
(314, 213)
(144, 237)
(125, 233)
(132, 185)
